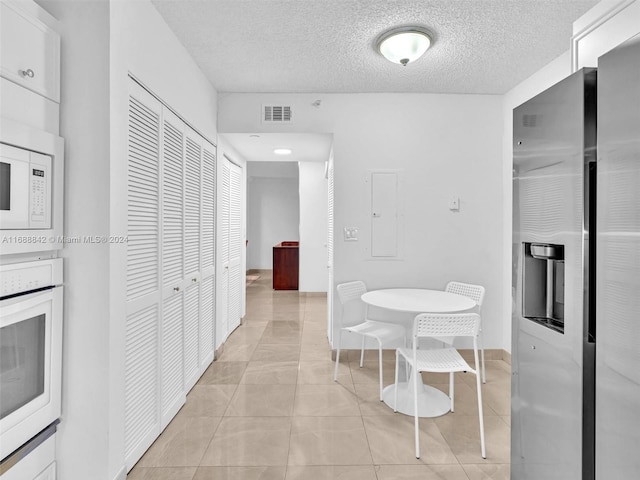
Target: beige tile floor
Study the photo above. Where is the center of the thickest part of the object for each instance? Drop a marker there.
(268, 409)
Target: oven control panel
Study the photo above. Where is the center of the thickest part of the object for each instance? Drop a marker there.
(27, 276)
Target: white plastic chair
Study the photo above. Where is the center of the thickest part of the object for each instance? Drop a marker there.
(432, 325)
(383, 332)
(475, 293)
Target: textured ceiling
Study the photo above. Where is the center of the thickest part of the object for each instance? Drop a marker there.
(327, 46)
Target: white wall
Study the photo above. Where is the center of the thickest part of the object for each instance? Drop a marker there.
(446, 145)
(313, 227)
(83, 439)
(273, 209)
(101, 42)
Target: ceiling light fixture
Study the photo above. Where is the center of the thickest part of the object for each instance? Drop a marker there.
(282, 151)
(404, 45)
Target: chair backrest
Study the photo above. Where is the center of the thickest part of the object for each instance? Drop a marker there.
(446, 325)
(474, 292)
(351, 291)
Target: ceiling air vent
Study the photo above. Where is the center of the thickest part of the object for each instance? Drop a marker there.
(530, 120)
(276, 114)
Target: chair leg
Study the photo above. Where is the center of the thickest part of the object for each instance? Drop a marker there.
(395, 390)
(480, 415)
(415, 410)
(481, 342)
(362, 352)
(451, 389)
(479, 388)
(380, 366)
(335, 372)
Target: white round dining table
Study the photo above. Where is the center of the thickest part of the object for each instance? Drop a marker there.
(431, 401)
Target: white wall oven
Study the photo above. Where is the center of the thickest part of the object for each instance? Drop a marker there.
(31, 189)
(30, 350)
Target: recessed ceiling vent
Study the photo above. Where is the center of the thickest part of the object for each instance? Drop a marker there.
(276, 114)
(530, 120)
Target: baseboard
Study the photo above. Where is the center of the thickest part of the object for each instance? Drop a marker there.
(218, 352)
(506, 356)
(122, 474)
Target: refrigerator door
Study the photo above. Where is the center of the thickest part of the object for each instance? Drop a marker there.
(618, 264)
(554, 138)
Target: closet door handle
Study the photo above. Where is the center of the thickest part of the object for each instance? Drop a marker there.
(176, 289)
(27, 73)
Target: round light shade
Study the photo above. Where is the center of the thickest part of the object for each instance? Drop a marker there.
(404, 45)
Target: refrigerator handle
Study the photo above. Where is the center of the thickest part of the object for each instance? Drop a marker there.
(590, 217)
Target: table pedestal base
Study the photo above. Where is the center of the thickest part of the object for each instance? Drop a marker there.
(431, 401)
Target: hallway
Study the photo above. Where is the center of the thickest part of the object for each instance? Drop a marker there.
(268, 409)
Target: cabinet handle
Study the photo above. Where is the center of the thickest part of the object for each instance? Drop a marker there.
(176, 289)
(27, 73)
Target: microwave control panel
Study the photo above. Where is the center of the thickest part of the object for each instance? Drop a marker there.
(39, 186)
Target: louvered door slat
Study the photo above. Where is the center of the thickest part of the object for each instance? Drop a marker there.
(234, 297)
(143, 199)
(224, 207)
(330, 215)
(172, 357)
(192, 207)
(207, 302)
(141, 380)
(235, 240)
(191, 330)
(235, 245)
(173, 205)
(208, 206)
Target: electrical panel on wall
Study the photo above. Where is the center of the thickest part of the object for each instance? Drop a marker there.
(384, 214)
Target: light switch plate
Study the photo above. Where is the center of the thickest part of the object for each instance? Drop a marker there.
(350, 234)
(454, 204)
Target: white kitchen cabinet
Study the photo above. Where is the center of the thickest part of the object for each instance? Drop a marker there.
(170, 209)
(30, 48)
(38, 464)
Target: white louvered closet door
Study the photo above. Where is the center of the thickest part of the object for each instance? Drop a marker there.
(235, 245)
(330, 247)
(172, 390)
(207, 251)
(143, 279)
(192, 200)
(223, 281)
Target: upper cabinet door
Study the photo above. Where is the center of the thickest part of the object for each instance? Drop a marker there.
(29, 49)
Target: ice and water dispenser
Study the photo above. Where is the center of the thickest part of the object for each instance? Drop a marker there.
(543, 284)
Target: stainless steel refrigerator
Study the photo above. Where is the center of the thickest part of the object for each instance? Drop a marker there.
(618, 265)
(576, 276)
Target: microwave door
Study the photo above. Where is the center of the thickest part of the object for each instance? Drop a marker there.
(14, 193)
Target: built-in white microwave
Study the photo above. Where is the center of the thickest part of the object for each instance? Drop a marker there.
(31, 189)
(25, 189)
